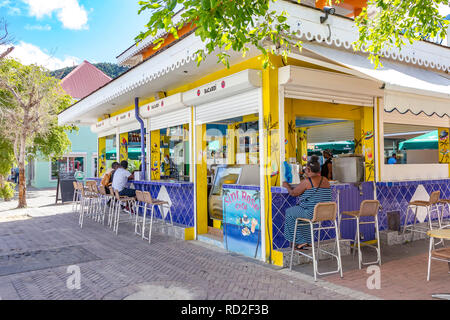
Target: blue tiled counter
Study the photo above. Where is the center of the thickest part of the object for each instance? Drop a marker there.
(181, 194)
(349, 196)
(395, 196)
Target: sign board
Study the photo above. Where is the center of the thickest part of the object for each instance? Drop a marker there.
(242, 221)
(165, 105)
(65, 189)
(226, 87)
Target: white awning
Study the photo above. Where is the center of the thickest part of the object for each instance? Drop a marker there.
(407, 88)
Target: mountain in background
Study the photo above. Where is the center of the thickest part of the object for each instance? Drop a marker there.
(111, 69)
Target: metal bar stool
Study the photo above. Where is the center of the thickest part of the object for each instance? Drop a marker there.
(149, 201)
(369, 208)
(444, 203)
(86, 203)
(76, 197)
(440, 254)
(104, 199)
(127, 201)
(431, 206)
(326, 211)
(140, 204)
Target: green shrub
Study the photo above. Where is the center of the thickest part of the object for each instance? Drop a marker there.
(8, 190)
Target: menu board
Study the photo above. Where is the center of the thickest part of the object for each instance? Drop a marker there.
(242, 221)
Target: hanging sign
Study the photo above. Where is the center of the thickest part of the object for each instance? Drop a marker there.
(242, 221)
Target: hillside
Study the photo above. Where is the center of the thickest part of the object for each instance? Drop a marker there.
(110, 69)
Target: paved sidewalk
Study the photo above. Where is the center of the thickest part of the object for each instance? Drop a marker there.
(35, 255)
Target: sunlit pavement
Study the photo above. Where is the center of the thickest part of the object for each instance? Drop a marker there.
(39, 259)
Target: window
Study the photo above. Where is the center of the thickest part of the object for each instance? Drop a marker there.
(408, 144)
(67, 164)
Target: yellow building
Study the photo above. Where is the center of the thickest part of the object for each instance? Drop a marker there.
(229, 132)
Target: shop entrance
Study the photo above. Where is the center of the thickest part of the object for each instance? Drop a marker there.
(232, 158)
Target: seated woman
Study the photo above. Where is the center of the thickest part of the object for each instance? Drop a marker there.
(313, 190)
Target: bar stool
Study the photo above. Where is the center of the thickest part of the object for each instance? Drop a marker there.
(86, 203)
(444, 203)
(369, 208)
(149, 201)
(431, 206)
(76, 197)
(122, 200)
(139, 205)
(112, 207)
(105, 198)
(326, 211)
(440, 254)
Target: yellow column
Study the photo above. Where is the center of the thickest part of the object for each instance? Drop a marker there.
(123, 147)
(444, 146)
(201, 180)
(290, 130)
(302, 146)
(368, 142)
(271, 142)
(231, 144)
(101, 157)
(155, 158)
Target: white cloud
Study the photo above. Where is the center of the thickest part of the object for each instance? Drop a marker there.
(28, 54)
(71, 14)
(444, 10)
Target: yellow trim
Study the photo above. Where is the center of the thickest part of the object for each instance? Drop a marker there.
(155, 147)
(277, 258)
(217, 224)
(123, 148)
(319, 109)
(368, 142)
(271, 142)
(101, 156)
(201, 180)
(189, 234)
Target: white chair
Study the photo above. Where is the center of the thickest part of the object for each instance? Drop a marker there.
(440, 254)
(87, 203)
(323, 212)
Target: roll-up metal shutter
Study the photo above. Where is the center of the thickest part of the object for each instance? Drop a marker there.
(130, 127)
(333, 132)
(232, 107)
(171, 119)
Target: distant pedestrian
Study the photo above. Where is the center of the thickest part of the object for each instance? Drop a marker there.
(393, 159)
(16, 176)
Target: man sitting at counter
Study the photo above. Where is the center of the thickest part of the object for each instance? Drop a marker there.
(313, 190)
(120, 180)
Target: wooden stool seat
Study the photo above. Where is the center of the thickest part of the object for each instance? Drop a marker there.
(441, 253)
(351, 213)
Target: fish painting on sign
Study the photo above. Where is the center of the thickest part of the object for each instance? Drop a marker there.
(242, 221)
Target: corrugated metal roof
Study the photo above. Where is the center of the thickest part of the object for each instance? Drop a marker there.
(84, 80)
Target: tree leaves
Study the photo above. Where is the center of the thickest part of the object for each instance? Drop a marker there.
(237, 25)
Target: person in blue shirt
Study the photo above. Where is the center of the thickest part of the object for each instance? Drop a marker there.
(393, 159)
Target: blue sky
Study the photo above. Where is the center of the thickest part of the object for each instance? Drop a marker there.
(57, 33)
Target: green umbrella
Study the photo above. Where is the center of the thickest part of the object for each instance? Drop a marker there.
(336, 146)
(133, 154)
(429, 140)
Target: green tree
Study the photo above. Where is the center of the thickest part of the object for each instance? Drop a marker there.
(30, 101)
(239, 24)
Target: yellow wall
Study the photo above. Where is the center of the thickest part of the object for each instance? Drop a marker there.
(123, 147)
(201, 180)
(101, 156)
(444, 146)
(155, 160)
(368, 142)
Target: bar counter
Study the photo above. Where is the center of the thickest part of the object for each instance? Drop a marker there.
(348, 196)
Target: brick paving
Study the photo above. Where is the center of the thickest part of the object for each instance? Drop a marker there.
(402, 279)
(115, 267)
